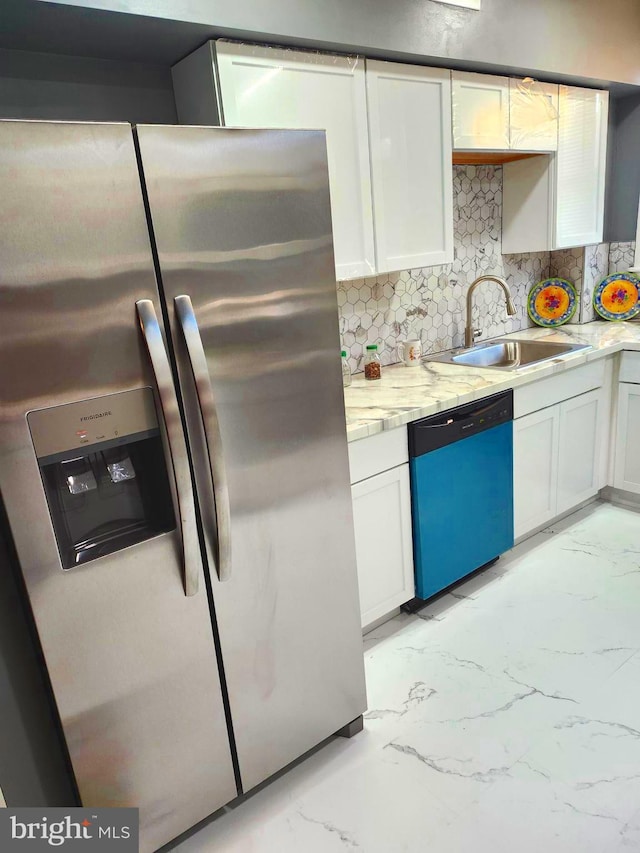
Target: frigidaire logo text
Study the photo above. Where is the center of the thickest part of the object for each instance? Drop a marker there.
(97, 415)
(57, 832)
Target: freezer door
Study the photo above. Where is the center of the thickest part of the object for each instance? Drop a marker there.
(242, 226)
(90, 441)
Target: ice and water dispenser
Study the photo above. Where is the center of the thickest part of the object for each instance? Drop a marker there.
(104, 473)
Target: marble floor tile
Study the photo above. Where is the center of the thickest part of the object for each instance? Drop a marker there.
(619, 693)
(348, 796)
(594, 762)
(505, 716)
(527, 812)
(629, 835)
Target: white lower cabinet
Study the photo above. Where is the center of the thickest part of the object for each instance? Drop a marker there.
(535, 469)
(560, 448)
(627, 457)
(580, 447)
(382, 522)
(556, 459)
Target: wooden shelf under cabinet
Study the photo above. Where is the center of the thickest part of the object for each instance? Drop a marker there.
(490, 158)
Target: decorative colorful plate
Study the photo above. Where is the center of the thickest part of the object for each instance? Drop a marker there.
(552, 302)
(616, 297)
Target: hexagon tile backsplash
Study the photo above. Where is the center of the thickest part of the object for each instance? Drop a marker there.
(429, 303)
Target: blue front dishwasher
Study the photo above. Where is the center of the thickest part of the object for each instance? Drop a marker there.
(461, 465)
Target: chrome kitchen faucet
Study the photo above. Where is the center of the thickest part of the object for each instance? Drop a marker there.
(470, 334)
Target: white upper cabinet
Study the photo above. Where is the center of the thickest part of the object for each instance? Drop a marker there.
(580, 167)
(410, 142)
(557, 202)
(502, 114)
(480, 111)
(527, 206)
(533, 115)
(268, 87)
(390, 133)
(390, 127)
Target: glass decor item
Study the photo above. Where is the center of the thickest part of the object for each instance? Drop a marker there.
(552, 302)
(616, 297)
(372, 364)
(346, 370)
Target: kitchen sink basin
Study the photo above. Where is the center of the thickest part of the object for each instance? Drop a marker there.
(508, 354)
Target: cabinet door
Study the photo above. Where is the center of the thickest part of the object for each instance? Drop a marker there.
(533, 115)
(410, 142)
(579, 449)
(580, 165)
(627, 454)
(480, 111)
(266, 87)
(535, 469)
(382, 521)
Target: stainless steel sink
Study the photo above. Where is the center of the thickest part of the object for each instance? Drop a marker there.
(507, 354)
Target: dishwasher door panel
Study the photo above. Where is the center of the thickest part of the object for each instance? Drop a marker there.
(462, 505)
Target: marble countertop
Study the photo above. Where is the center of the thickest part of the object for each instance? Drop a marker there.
(404, 394)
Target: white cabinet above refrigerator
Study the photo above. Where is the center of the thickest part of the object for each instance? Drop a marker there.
(388, 140)
(268, 87)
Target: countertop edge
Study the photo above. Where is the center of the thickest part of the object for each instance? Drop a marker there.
(363, 427)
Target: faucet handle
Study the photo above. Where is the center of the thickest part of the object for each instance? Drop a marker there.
(477, 333)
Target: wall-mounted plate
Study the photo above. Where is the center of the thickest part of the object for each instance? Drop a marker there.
(552, 302)
(617, 296)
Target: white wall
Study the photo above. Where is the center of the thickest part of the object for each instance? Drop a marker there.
(46, 86)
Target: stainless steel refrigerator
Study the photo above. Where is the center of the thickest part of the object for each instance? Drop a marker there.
(173, 462)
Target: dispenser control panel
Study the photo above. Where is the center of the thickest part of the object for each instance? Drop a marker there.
(114, 418)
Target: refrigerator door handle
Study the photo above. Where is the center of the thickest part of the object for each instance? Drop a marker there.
(211, 426)
(177, 446)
